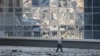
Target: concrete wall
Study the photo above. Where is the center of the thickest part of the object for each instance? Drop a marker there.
(51, 43)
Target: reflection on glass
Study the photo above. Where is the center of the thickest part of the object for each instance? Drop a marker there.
(43, 18)
(26, 15)
(26, 10)
(79, 34)
(54, 14)
(1, 3)
(26, 33)
(36, 13)
(62, 31)
(71, 4)
(79, 27)
(1, 28)
(17, 3)
(53, 3)
(27, 19)
(9, 33)
(9, 19)
(96, 19)
(54, 28)
(54, 22)
(8, 28)
(62, 3)
(71, 27)
(80, 19)
(26, 28)
(80, 12)
(1, 9)
(18, 33)
(45, 32)
(18, 28)
(53, 34)
(2, 33)
(96, 34)
(71, 13)
(44, 2)
(71, 8)
(62, 16)
(36, 28)
(27, 3)
(18, 18)
(2, 19)
(36, 31)
(70, 34)
(88, 19)
(35, 2)
(54, 25)
(71, 16)
(45, 13)
(9, 3)
(63, 34)
(88, 34)
(36, 34)
(44, 23)
(18, 10)
(10, 9)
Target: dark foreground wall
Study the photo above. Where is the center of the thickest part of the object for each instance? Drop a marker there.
(51, 43)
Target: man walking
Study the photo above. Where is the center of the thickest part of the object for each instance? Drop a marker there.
(59, 45)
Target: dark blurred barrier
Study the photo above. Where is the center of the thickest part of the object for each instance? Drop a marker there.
(50, 43)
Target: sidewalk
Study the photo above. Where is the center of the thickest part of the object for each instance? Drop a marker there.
(44, 51)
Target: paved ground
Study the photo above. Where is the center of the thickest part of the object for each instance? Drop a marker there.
(42, 51)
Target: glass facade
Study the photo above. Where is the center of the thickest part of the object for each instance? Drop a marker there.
(91, 19)
(70, 19)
